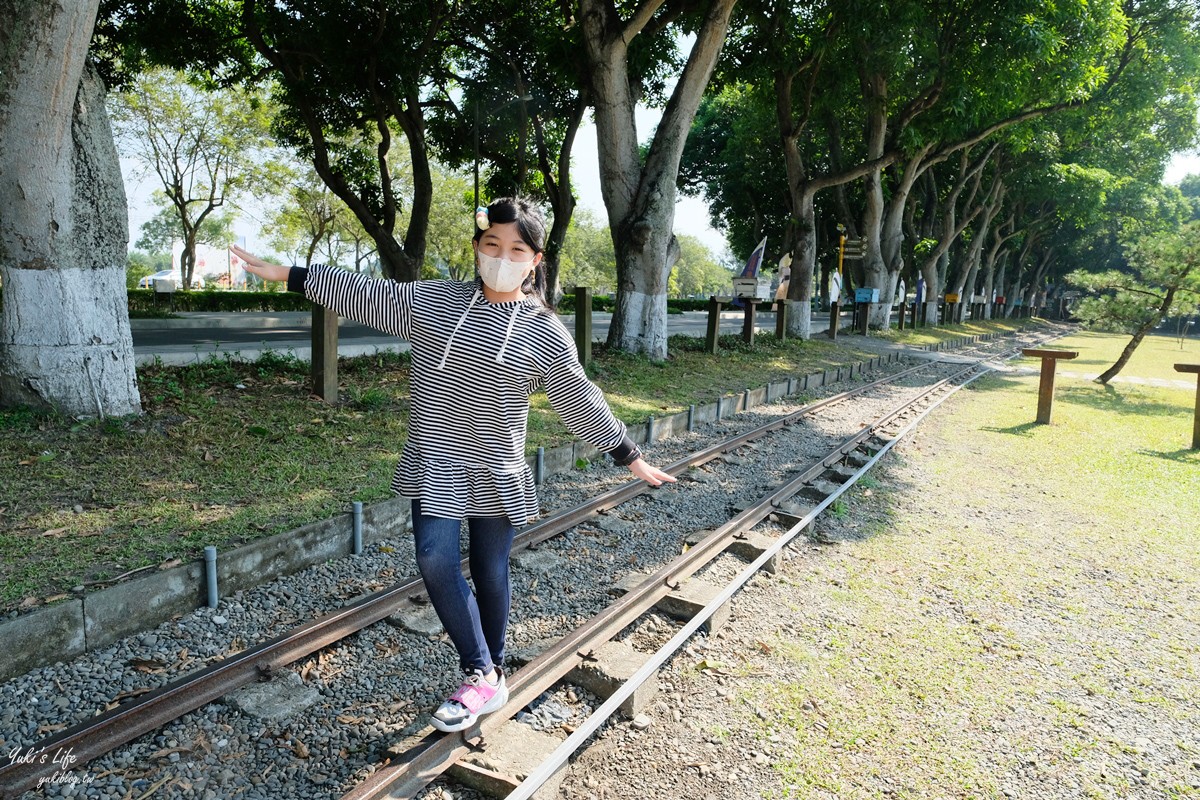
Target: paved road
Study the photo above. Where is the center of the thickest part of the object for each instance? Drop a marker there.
(197, 336)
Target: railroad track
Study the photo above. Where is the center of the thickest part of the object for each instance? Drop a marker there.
(427, 756)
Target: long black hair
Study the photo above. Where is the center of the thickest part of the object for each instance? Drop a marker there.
(532, 227)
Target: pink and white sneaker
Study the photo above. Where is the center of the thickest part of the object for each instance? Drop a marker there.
(474, 698)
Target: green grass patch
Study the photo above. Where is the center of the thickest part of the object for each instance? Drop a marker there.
(1154, 359)
(917, 337)
(1038, 595)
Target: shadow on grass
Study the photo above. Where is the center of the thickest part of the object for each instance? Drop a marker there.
(1024, 429)
(1117, 401)
(1182, 456)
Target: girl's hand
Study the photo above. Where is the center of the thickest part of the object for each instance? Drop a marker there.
(263, 269)
(651, 475)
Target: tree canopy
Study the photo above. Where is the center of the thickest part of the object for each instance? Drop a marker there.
(982, 147)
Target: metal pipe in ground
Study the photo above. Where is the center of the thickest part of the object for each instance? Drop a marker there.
(356, 523)
(210, 572)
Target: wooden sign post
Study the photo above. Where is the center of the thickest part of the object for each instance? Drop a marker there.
(749, 320)
(1194, 369)
(1046, 387)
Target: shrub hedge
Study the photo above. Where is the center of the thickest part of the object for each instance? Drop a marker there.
(142, 301)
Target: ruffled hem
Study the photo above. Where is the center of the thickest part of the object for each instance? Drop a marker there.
(456, 491)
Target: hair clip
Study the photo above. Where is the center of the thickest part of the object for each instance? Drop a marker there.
(481, 218)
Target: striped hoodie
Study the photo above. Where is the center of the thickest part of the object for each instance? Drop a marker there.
(474, 366)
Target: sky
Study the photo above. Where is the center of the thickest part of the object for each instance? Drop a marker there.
(1181, 165)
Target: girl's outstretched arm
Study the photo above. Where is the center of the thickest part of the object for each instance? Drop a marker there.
(257, 266)
(385, 305)
(581, 406)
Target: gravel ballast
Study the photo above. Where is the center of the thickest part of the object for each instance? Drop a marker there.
(722, 726)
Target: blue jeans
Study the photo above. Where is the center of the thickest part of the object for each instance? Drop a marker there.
(477, 622)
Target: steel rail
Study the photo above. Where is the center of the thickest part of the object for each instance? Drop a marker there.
(428, 757)
(102, 733)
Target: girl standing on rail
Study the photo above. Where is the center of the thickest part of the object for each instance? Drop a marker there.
(479, 349)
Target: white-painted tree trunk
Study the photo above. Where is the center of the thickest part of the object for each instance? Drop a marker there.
(931, 313)
(804, 263)
(640, 196)
(64, 330)
(799, 319)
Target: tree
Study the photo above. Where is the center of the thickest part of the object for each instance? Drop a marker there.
(306, 224)
(350, 79)
(639, 188)
(524, 94)
(697, 273)
(732, 161)
(205, 146)
(1164, 281)
(449, 251)
(64, 328)
(587, 256)
(162, 230)
(140, 264)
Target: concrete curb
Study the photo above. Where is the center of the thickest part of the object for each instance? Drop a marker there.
(243, 352)
(64, 630)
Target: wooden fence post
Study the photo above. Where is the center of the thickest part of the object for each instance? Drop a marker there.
(749, 320)
(714, 325)
(583, 324)
(324, 369)
(1195, 369)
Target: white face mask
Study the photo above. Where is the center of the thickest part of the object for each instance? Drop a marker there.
(503, 275)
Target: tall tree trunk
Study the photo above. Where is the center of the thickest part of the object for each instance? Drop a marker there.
(1000, 235)
(874, 92)
(556, 176)
(1138, 335)
(891, 237)
(412, 122)
(802, 189)
(991, 206)
(640, 200)
(804, 262)
(64, 330)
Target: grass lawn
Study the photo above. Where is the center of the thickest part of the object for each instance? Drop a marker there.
(1155, 358)
(1014, 607)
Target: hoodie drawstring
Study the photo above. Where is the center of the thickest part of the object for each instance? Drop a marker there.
(508, 333)
(512, 321)
(453, 333)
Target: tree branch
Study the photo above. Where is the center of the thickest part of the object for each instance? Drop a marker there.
(640, 19)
